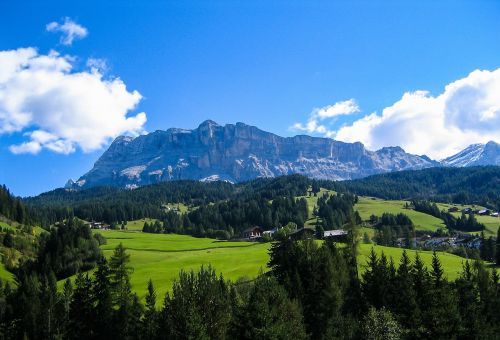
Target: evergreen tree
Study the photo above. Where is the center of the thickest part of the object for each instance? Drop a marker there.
(103, 305)
(269, 314)
(150, 330)
(127, 316)
(381, 325)
(81, 309)
(199, 307)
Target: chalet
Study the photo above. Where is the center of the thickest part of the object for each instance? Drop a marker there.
(270, 232)
(467, 210)
(483, 212)
(495, 214)
(98, 225)
(252, 233)
(453, 209)
(338, 235)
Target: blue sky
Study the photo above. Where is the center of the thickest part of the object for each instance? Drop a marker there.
(268, 64)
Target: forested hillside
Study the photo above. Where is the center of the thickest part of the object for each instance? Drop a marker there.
(458, 185)
(12, 207)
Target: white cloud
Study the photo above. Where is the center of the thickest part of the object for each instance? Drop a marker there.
(466, 112)
(69, 30)
(313, 124)
(60, 109)
(338, 109)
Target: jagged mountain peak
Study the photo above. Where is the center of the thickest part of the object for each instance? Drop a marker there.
(476, 154)
(238, 152)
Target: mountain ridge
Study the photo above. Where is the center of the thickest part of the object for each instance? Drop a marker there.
(238, 152)
(475, 155)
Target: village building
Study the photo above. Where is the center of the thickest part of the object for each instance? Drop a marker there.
(338, 235)
(253, 233)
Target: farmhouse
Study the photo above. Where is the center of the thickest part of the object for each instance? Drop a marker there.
(337, 235)
(270, 232)
(453, 209)
(98, 225)
(483, 212)
(252, 233)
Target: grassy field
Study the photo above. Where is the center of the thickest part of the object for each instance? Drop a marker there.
(5, 275)
(137, 225)
(368, 206)
(161, 257)
(311, 203)
(452, 264)
(6, 225)
(491, 223)
(180, 207)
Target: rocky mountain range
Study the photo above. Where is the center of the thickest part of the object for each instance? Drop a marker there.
(238, 152)
(475, 155)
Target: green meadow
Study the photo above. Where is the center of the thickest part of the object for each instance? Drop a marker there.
(374, 206)
(137, 225)
(5, 275)
(312, 202)
(162, 256)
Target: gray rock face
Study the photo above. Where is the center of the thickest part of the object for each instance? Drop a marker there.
(476, 154)
(238, 152)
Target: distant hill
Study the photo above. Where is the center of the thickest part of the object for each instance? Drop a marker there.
(236, 153)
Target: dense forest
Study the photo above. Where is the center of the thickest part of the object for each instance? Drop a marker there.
(393, 230)
(12, 207)
(312, 291)
(113, 205)
(479, 185)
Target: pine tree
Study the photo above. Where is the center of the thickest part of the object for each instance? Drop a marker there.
(381, 325)
(441, 317)
(102, 300)
(127, 315)
(405, 308)
(269, 314)
(150, 330)
(81, 309)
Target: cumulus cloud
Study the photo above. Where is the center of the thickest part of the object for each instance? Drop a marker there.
(59, 109)
(317, 115)
(466, 112)
(69, 30)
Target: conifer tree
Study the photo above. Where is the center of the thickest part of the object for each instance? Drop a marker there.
(150, 328)
(81, 309)
(101, 293)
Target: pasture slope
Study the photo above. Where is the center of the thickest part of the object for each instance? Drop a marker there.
(367, 206)
(162, 256)
(491, 223)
